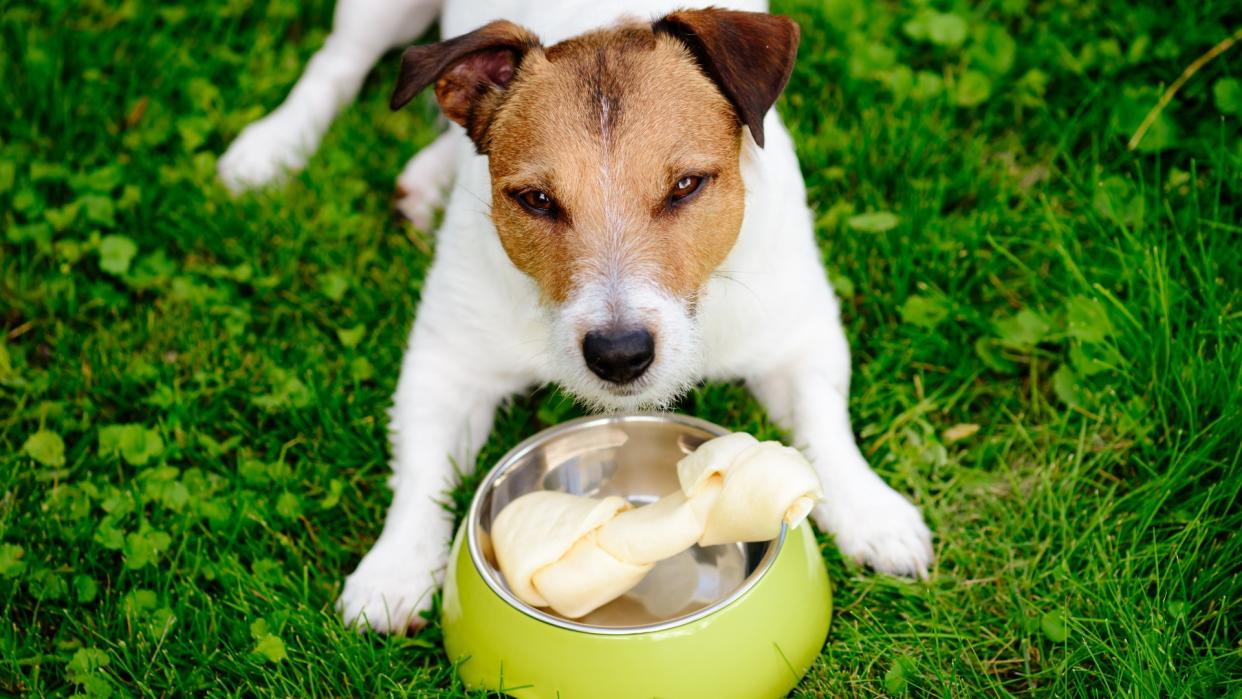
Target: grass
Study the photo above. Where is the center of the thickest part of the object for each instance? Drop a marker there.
(1047, 332)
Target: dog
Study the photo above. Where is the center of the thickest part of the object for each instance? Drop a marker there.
(627, 218)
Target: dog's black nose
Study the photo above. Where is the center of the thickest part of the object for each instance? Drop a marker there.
(619, 356)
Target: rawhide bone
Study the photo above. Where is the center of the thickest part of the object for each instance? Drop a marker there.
(576, 554)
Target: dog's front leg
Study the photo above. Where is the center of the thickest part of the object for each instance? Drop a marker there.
(870, 521)
(441, 415)
(283, 140)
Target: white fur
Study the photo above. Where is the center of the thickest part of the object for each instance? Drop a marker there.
(768, 316)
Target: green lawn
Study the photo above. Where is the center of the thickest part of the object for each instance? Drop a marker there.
(1047, 331)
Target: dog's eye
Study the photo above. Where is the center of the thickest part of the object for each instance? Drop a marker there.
(537, 202)
(685, 187)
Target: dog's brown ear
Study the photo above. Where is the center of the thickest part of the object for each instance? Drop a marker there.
(749, 55)
(470, 72)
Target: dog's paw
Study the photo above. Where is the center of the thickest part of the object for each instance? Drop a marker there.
(389, 591)
(875, 525)
(418, 197)
(264, 152)
(417, 205)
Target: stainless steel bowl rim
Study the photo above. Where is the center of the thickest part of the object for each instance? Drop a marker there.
(532, 442)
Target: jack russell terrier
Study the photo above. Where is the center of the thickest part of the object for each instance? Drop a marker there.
(627, 219)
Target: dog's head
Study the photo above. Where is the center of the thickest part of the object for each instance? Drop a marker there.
(616, 186)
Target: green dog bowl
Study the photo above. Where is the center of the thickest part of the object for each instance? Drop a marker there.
(740, 621)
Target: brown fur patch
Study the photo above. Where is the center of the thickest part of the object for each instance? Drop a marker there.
(606, 124)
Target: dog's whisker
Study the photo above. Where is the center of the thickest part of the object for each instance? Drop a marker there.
(729, 277)
(487, 203)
